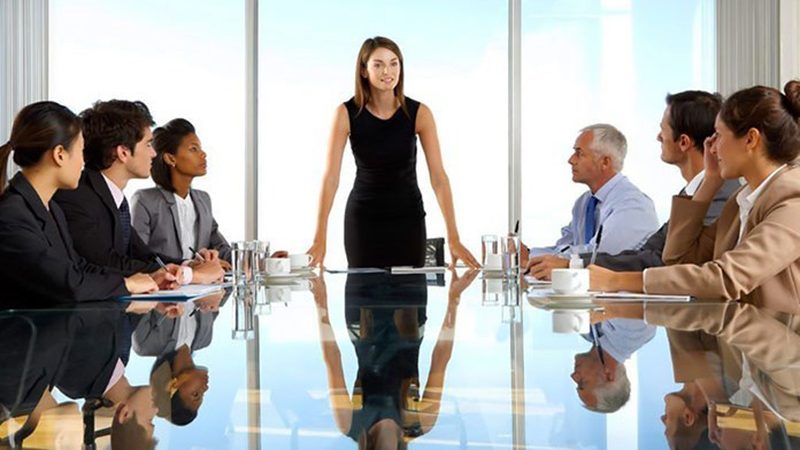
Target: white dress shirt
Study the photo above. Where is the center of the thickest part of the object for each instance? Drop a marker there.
(187, 219)
(119, 196)
(627, 215)
(116, 192)
(747, 198)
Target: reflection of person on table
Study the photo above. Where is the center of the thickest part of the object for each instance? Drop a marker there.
(386, 409)
(765, 350)
(687, 121)
(626, 214)
(752, 252)
(78, 353)
(600, 375)
(384, 218)
(173, 218)
(179, 386)
(38, 264)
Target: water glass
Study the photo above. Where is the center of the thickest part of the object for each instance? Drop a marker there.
(494, 291)
(511, 255)
(243, 261)
(243, 318)
(260, 255)
(489, 246)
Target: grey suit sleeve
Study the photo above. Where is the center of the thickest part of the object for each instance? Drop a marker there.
(721, 197)
(634, 260)
(140, 218)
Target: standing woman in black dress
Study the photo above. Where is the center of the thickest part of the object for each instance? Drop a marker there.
(384, 217)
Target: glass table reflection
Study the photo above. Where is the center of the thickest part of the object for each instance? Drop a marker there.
(375, 360)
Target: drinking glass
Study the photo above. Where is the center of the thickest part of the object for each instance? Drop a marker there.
(243, 259)
(488, 247)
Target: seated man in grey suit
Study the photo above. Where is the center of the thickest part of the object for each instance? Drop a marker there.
(687, 121)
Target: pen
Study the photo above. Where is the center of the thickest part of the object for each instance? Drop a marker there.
(196, 253)
(161, 263)
(596, 245)
(516, 227)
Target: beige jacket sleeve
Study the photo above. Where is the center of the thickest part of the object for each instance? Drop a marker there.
(688, 239)
(771, 246)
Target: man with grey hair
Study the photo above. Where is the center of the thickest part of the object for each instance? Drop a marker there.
(626, 216)
(600, 375)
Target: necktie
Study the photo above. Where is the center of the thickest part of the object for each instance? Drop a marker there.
(591, 207)
(125, 222)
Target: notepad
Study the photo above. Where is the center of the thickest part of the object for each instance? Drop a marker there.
(635, 297)
(182, 294)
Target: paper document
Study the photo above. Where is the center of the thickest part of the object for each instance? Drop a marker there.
(400, 270)
(634, 297)
(184, 293)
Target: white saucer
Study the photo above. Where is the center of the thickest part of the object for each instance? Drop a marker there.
(303, 271)
(552, 295)
(550, 305)
(493, 273)
(279, 276)
(584, 296)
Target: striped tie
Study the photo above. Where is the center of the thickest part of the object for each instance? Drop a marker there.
(125, 222)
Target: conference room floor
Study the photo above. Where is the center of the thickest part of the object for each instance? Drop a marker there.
(312, 363)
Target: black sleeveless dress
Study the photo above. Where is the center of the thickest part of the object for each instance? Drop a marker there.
(384, 220)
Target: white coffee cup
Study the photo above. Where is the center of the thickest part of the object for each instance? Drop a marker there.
(570, 281)
(494, 261)
(277, 266)
(300, 260)
(571, 321)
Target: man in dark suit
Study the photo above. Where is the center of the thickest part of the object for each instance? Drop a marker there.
(687, 121)
(117, 149)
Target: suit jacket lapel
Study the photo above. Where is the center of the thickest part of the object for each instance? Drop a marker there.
(169, 197)
(46, 220)
(100, 187)
(203, 222)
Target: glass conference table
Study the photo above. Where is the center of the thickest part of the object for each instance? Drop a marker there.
(427, 360)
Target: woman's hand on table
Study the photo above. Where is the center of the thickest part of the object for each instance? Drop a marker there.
(458, 251)
(317, 253)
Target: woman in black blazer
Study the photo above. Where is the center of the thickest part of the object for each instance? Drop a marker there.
(38, 265)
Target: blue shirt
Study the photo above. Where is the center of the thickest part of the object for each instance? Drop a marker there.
(627, 215)
(620, 338)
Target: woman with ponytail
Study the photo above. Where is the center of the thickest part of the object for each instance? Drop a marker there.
(38, 265)
(752, 252)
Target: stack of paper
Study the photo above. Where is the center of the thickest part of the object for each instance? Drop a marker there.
(182, 294)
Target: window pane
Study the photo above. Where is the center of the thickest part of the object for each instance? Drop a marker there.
(455, 62)
(182, 58)
(612, 61)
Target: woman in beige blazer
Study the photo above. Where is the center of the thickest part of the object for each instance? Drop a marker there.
(160, 213)
(752, 252)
